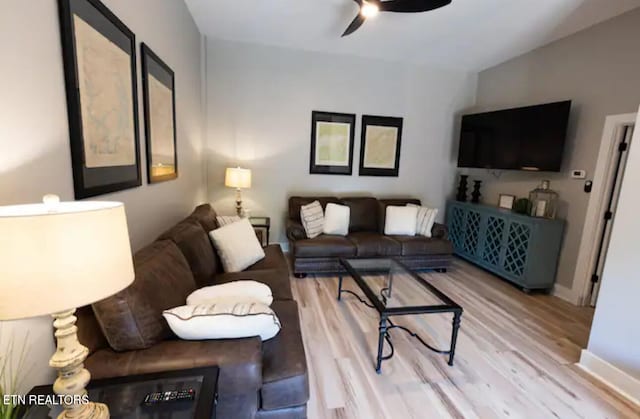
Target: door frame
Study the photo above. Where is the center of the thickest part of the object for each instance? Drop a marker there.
(594, 220)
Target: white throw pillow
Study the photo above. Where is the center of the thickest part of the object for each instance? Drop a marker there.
(400, 220)
(224, 220)
(244, 291)
(312, 219)
(425, 220)
(223, 321)
(336, 219)
(237, 245)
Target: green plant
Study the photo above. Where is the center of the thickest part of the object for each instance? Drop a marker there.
(11, 375)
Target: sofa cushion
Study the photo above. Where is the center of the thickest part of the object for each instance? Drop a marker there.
(420, 245)
(364, 214)
(278, 281)
(324, 246)
(239, 360)
(382, 208)
(295, 202)
(285, 380)
(132, 319)
(206, 216)
(374, 244)
(196, 247)
(274, 259)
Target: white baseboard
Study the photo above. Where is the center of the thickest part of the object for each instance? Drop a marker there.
(565, 293)
(612, 376)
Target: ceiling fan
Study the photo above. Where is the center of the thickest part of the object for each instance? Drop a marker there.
(370, 8)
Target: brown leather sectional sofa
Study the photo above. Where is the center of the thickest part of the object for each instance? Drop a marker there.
(365, 239)
(127, 335)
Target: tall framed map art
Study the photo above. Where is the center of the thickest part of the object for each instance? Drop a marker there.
(99, 54)
(159, 117)
(332, 136)
(380, 146)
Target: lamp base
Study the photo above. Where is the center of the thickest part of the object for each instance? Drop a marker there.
(239, 202)
(73, 377)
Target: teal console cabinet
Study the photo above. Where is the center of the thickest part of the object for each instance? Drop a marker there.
(519, 248)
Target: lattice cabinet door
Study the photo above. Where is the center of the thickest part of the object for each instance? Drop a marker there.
(516, 249)
(456, 223)
(471, 232)
(493, 244)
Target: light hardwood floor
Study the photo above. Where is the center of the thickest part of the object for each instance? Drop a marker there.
(514, 358)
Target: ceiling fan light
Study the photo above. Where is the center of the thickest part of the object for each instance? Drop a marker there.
(369, 10)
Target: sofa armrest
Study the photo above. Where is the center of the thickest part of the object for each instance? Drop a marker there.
(295, 230)
(440, 231)
(239, 360)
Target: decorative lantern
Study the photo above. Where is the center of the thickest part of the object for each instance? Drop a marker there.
(544, 201)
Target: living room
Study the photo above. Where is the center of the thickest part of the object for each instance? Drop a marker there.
(247, 80)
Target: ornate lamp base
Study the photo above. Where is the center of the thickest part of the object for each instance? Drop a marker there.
(73, 377)
(239, 202)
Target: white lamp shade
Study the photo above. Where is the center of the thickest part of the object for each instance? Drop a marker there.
(58, 258)
(236, 177)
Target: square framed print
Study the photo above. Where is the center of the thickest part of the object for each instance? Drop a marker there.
(332, 137)
(380, 146)
(506, 201)
(99, 54)
(158, 85)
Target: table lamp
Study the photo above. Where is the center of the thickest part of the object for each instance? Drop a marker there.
(55, 257)
(238, 178)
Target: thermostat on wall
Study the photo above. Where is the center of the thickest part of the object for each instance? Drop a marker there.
(578, 174)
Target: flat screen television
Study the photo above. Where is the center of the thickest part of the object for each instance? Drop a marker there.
(528, 138)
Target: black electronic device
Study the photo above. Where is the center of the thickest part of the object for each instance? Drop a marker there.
(159, 397)
(530, 138)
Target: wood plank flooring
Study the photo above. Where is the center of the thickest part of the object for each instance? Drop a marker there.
(514, 358)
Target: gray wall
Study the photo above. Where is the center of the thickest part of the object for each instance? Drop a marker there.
(259, 115)
(598, 69)
(34, 136)
(615, 333)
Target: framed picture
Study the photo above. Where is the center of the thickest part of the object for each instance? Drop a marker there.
(506, 201)
(332, 136)
(99, 54)
(380, 146)
(158, 87)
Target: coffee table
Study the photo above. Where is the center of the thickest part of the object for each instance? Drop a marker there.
(395, 290)
(124, 395)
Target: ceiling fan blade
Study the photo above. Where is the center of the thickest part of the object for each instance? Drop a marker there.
(355, 25)
(412, 6)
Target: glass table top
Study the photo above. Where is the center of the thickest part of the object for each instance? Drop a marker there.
(389, 285)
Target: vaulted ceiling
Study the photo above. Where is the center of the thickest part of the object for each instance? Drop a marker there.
(468, 34)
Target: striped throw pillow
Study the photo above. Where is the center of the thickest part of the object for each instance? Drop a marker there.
(224, 220)
(312, 219)
(425, 220)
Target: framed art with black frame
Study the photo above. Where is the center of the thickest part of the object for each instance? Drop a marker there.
(380, 146)
(158, 85)
(99, 55)
(332, 137)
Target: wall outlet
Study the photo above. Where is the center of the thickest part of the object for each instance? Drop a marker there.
(578, 174)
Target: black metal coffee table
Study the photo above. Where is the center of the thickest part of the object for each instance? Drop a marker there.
(395, 290)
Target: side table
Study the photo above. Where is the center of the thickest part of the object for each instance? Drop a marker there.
(125, 395)
(261, 225)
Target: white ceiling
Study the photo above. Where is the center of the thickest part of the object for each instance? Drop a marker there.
(468, 34)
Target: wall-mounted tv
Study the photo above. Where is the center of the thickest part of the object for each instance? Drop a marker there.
(528, 138)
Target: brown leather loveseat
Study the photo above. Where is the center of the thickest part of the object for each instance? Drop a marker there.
(127, 335)
(366, 238)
